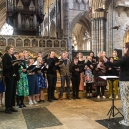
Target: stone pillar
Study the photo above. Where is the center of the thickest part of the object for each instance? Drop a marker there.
(66, 18)
(35, 22)
(41, 6)
(98, 35)
(66, 26)
(19, 20)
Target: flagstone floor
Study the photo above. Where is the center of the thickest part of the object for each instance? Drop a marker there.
(73, 114)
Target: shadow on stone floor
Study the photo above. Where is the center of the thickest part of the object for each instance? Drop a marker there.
(39, 118)
(112, 124)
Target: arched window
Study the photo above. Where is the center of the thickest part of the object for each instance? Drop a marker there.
(6, 30)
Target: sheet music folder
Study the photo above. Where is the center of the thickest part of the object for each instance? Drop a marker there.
(109, 77)
(18, 61)
(31, 67)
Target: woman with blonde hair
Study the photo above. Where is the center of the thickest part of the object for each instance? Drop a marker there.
(81, 61)
(41, 78)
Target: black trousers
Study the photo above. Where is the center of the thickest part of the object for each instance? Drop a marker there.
(52, 79)
(102, 90)
(10, 91)
(88, 87)
(20, 100)
(75, 85)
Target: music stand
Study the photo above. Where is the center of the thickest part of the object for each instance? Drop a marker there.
(111, 111)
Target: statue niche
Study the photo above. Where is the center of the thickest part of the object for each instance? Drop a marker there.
(41, 43)
(56, 43)
(19, 42)
(11, 42)
(26, 43)
(2, 42)
(63, 44)
(49, 43)
(34, 43)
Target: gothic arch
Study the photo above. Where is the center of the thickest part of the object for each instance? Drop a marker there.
(76, 20)
(52, 29)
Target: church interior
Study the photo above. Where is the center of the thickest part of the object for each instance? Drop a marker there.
(75, 26)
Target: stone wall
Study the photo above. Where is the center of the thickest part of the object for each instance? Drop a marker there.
(120, 18)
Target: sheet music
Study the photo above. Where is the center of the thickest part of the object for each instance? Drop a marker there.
(109, 77)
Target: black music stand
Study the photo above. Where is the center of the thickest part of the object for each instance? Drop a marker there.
(111, 111)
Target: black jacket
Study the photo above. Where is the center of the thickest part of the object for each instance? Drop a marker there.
(8, 69)
(123, 63)
(113, 71)
(73, 71)
(51, 66)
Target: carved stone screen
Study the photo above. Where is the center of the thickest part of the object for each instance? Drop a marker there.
(19, 42)
(63, 44)
(56, 43)
(11, 42)
(41, 43)
(2, 42)
(49, 43)
(26, 43)
(34, 43)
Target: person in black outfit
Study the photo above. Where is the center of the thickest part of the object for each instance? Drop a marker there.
(123, 63)
(52, 75)
(75, 70)
(10, 71)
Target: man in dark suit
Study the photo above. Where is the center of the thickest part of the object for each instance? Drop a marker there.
(52, 75)
(10, 72)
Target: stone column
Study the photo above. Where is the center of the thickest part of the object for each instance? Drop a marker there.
(19, 20)
(66, 26)
(98, 35)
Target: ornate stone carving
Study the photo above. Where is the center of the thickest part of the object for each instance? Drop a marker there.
(41, 43)
(26, 43)
(119, 9)
(2, 42)
(127, 11)
(63, 43)
(34, 43)
(49, 43)
(11, 42)
(56, 43)
(19, 42)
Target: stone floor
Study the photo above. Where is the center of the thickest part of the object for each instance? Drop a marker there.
(73, 114)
